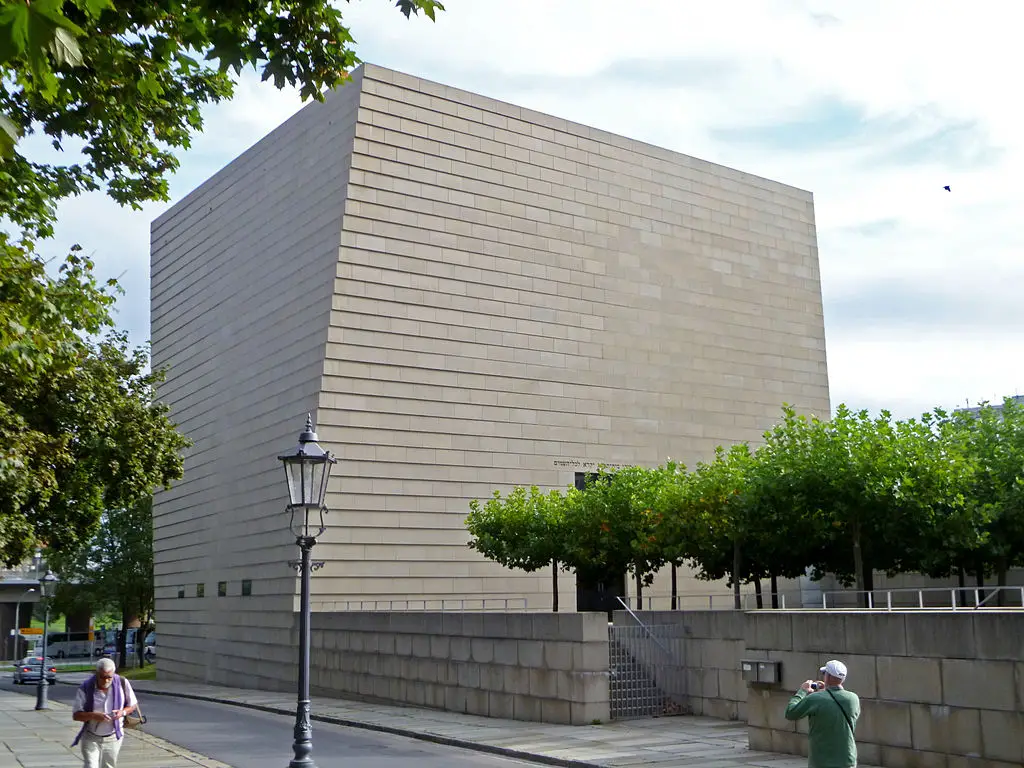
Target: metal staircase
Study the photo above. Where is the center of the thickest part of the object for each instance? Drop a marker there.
(632, 691)
(646, 679)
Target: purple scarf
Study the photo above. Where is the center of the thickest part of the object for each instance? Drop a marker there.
(117, 691)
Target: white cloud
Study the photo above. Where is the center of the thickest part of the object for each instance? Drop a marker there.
(688, 76)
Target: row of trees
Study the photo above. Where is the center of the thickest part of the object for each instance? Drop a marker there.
(941, 495)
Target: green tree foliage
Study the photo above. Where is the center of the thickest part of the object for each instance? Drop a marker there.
(675, 530)
(523, 531)
(720, 515)
(125, 81)
(848, 496)
(612, 526)
(882, 489)
(113, 570)
(80, 431)
(992, 537)
(42, 324)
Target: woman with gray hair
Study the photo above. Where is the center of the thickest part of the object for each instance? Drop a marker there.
(100, 705)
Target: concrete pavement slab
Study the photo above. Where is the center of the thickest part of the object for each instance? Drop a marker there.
(42, 739)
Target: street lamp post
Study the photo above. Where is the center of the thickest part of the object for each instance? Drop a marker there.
(307, 468)
(17, 622)
(42, 692)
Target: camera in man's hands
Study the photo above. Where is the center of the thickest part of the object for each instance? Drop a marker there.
(816, 686)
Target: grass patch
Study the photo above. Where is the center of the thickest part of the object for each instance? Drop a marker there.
(147, 672)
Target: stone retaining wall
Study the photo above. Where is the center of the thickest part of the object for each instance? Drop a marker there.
(937, 688)
(544, 667)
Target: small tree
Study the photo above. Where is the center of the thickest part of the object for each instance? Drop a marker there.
(612, 526)
(782, 537)
(524, 531)
(674, 528)
(719, 516)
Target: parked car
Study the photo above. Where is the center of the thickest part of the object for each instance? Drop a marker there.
(29, 669)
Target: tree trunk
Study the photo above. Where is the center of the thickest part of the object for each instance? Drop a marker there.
(979, 579)
(78, 621)
(737, 564)
(554, 586)
(961, 582)
(639, 592)
(1001, 581)
(775, 591)
(858, 568)
(757, 591)
(675, 589)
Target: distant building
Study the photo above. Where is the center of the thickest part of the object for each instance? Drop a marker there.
(998, 407)
(466, 295)
(19, 593)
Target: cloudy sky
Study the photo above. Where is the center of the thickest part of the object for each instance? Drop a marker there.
(872, 105)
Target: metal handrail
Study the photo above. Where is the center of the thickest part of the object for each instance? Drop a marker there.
(921, 591)
(646, 628)
(714, 598)
(995, 592)
(877, 599)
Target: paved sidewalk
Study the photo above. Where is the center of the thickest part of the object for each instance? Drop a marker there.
(668, 742)
(31, 739)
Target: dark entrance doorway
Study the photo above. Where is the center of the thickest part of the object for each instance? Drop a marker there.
(598, 593)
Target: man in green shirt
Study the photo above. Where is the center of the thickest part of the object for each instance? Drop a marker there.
(833, 712)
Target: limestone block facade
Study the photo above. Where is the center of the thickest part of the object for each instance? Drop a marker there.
(466, 295)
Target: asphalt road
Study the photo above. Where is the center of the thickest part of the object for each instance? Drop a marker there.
(250, 739)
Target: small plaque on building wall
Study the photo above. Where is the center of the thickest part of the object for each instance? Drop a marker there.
(584, 465)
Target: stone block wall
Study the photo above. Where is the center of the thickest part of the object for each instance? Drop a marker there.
(938, 689)
(543, 667)
(707, 646)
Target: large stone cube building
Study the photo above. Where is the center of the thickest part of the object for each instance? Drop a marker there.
(466, 295)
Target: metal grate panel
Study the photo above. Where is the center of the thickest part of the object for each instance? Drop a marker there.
(646, 675)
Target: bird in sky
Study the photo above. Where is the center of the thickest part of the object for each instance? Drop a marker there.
(947, 188)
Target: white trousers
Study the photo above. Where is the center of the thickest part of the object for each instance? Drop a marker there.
(99, 752)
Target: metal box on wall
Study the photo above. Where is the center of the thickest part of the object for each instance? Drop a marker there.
(768, 672)
(761, 671)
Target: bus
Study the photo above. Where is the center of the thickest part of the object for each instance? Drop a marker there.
(64, 645)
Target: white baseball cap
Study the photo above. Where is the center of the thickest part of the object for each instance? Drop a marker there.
(835, 668)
